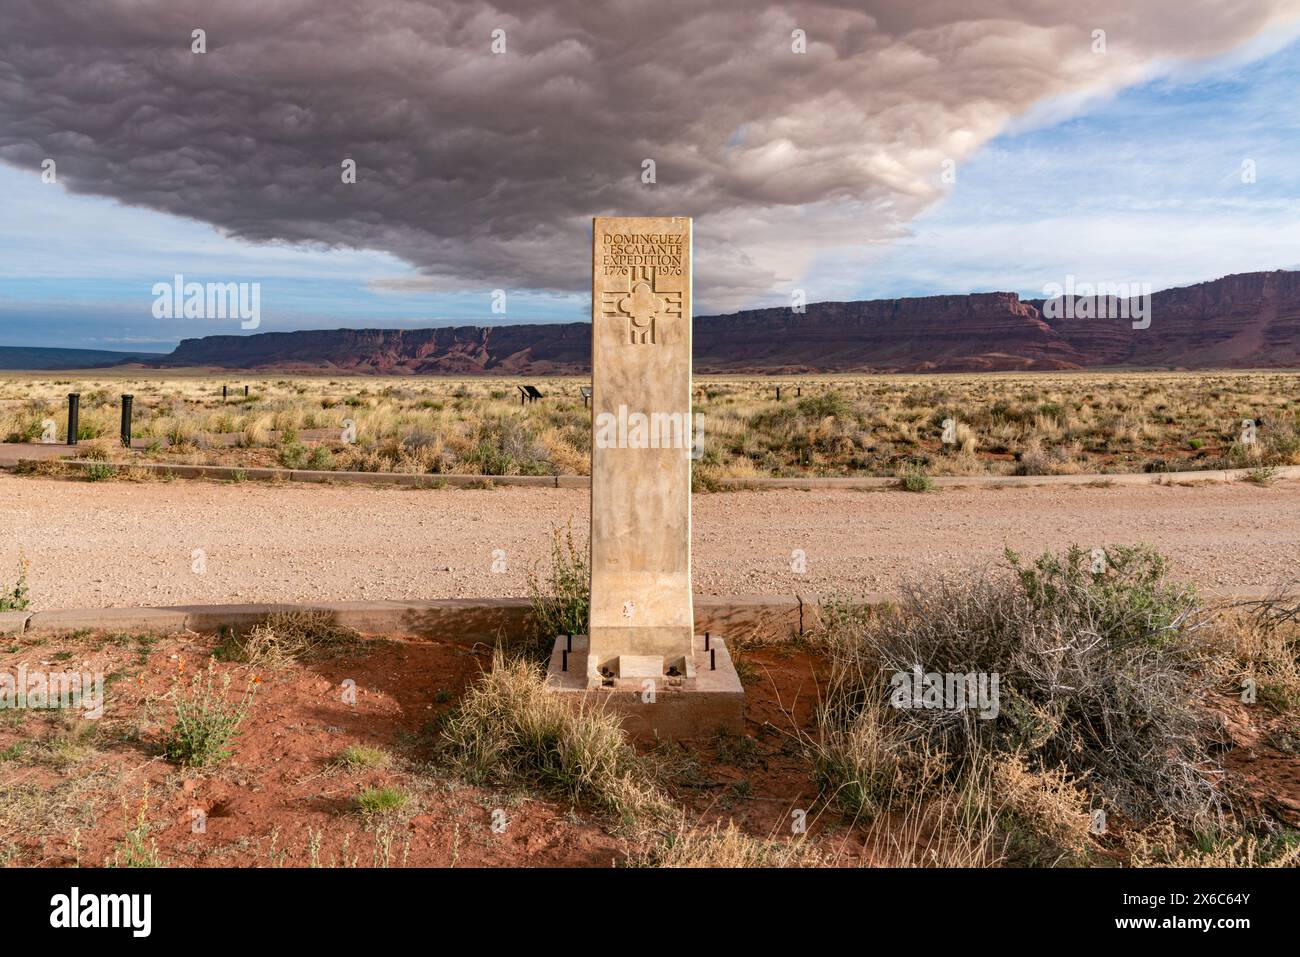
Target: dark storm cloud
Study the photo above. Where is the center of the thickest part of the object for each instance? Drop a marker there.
(484, 170)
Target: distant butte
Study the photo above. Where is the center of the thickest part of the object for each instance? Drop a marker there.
(1249, 320)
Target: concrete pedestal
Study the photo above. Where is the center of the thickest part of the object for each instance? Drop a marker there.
(669, 706)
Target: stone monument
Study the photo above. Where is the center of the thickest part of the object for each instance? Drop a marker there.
(642, 655)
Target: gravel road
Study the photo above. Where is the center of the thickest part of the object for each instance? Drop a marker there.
(117, 543)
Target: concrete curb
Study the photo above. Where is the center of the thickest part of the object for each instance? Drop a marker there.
(865, 482)
(14, 622)
(406, 479)
(1013, 481)
(466, 621)
(462, 620)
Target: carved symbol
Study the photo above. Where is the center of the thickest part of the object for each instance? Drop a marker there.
(642, 297)
(641, 307)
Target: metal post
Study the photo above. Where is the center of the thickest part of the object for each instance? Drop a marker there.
(564, 660)
(126, 420)
(713, 659)
(778, 393)
(74, 407)
(245, 392)
(223, 393)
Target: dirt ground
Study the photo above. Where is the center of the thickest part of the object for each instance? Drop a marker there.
(106, 544)
(92, 792)
(71, 791)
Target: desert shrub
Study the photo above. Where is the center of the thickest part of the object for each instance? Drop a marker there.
(830, 404)
(90, 426)
(507, 445)
(45, 467)
(320, 459)
(356, 458)
(15, 597)
(26, 430)
(1098, 678)
(292, 455)
(99, 472)
(560, 602)
(285, 637)
(916, 481)
(1122, 593)
(705, 478)
(1278, 443)
(510, 730)
(207, 721)
(181, 434)
(777, 424)
(1032, 460)
(95, 450)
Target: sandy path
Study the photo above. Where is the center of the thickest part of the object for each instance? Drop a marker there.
(117, 543)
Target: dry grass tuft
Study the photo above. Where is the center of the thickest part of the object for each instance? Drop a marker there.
(1261, 641)
(284, 638)
(1159, 846)
(717, 846)
(509, 730)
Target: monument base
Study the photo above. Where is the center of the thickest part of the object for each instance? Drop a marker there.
(708, 701)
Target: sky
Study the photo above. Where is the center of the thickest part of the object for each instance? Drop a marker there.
(914, 149)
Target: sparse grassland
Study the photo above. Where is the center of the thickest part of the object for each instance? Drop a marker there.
(1135, 725)
(1114, 691)
(890, 426)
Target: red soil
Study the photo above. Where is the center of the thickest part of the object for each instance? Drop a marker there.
(267, 803)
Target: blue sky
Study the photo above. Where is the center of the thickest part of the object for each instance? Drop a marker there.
(1142, 186)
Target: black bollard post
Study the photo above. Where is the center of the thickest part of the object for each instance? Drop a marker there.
(706, 641)
(126, 420)
(245, 392)
(564, 660)
(713, 659)
(74, 407)
(798, 391)
(778, 393)
(223, 393)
